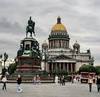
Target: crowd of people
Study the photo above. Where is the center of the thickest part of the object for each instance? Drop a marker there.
(36, 79)
(58, 80)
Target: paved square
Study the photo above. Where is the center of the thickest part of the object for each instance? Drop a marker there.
(50, 90)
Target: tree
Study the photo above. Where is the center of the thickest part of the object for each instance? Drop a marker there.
(97, 69)
(12, 68)
(87, 68)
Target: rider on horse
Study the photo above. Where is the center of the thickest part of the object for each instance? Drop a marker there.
(30, 27)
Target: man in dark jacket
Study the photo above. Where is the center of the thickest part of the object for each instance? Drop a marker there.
(98, 83)
(19, 81)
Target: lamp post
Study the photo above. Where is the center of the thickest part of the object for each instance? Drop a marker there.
(5, 57)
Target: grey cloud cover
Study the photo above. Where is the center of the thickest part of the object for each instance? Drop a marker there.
(81, 18)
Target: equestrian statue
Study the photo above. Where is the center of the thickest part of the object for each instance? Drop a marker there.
(30, 27)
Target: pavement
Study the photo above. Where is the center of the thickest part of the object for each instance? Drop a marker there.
(50, 90)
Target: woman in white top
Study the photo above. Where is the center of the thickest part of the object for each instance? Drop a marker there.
(4, 81)
(90, 82)
(56, 79)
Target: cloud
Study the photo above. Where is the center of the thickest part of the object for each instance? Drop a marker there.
(81, 18)
(7, 26)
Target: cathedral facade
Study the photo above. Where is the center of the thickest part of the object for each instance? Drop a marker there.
(57, 54)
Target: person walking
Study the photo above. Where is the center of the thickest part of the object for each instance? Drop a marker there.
(98, 83)
(63, 80)
(19, 81)
(72, 78)
(4, 81)
(34, 80)
(90, 82)
(38, 79)
(60, 81)
(56, 79)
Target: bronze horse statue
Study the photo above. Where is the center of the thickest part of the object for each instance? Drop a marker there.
(30, 27)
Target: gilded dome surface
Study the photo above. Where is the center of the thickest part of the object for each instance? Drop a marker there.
(59, 27)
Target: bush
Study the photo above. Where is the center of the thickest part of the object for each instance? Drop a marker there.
(87, 68)
(12, 68)
(97, 70)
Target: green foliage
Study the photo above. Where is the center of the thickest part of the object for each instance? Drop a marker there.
(4, 71)
(43, 74)
(12, 68)
(97, 69)
(87, 68)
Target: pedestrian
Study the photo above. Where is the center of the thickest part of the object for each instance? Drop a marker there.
(63, 80)
(19, 81)
(98, 83)
(4, 81)
(60, 81)
(72, 78)
(90, 82)
(56, 79)
(38, 79)
(34, 80)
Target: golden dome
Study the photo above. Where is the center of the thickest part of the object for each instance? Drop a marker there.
(59, 27)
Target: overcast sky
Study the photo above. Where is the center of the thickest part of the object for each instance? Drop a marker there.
(81, 18)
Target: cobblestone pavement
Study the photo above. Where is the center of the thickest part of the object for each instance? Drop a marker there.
(50, 90)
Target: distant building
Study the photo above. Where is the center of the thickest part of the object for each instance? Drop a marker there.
(7, 63)
(58, 56)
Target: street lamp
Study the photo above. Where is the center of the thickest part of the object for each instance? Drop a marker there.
(5, 57)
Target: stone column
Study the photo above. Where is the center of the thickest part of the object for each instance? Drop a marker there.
(51, 66)
(55, 44)
(64, 44)
(61, 43)
(56, 66)
(71, 67)
(74, 67)
(67, 67)
(60, 66)
(48, 67)
(64, 66)
(58, 43)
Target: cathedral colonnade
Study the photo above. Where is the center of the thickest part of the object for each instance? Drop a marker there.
(56, 66)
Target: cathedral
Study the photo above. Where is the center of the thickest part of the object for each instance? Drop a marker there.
(57, 55)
